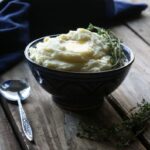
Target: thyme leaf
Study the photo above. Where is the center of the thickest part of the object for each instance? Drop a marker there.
(123, 133)
(118, 57)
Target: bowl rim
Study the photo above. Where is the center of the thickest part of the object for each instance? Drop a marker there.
(125, 47)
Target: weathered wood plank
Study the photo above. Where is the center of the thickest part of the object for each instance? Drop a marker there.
(136, 86)
(7, 137)
(141, 25)
(53, 127)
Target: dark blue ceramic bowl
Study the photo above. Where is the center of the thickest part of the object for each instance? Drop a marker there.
(76, 90)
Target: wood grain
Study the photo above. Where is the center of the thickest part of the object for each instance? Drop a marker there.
(54, 128)
(141, 25)
(7, 137)
(136, 86)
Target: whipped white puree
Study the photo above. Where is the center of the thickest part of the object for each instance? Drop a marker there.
(76, 51)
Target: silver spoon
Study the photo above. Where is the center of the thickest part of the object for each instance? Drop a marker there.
(18, 90)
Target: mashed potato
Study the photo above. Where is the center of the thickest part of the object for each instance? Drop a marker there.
(76, 51)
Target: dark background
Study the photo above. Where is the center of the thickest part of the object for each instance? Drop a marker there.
(51, 17)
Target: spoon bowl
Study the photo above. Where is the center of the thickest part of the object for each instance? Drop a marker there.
(18, 90)
(9, 89)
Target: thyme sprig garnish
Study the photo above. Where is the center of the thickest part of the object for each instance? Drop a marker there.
(123, 133)
(118, 57)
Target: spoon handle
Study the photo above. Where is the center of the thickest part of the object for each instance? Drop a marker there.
(24, 121)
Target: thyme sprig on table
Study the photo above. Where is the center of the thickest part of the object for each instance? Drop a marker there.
(118, 57)
(123, 133)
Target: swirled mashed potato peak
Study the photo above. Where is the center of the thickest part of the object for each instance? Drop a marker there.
(76, 51)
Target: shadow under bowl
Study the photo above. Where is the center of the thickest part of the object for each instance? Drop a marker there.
(76, 90)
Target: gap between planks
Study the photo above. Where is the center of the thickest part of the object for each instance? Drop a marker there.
(123, 115)
(141, 25)
(15, 129)
(53, 127)
(137, 33)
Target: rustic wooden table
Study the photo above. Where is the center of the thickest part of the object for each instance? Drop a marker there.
(54, 128)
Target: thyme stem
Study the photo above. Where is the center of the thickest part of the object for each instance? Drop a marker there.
(124, 133)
